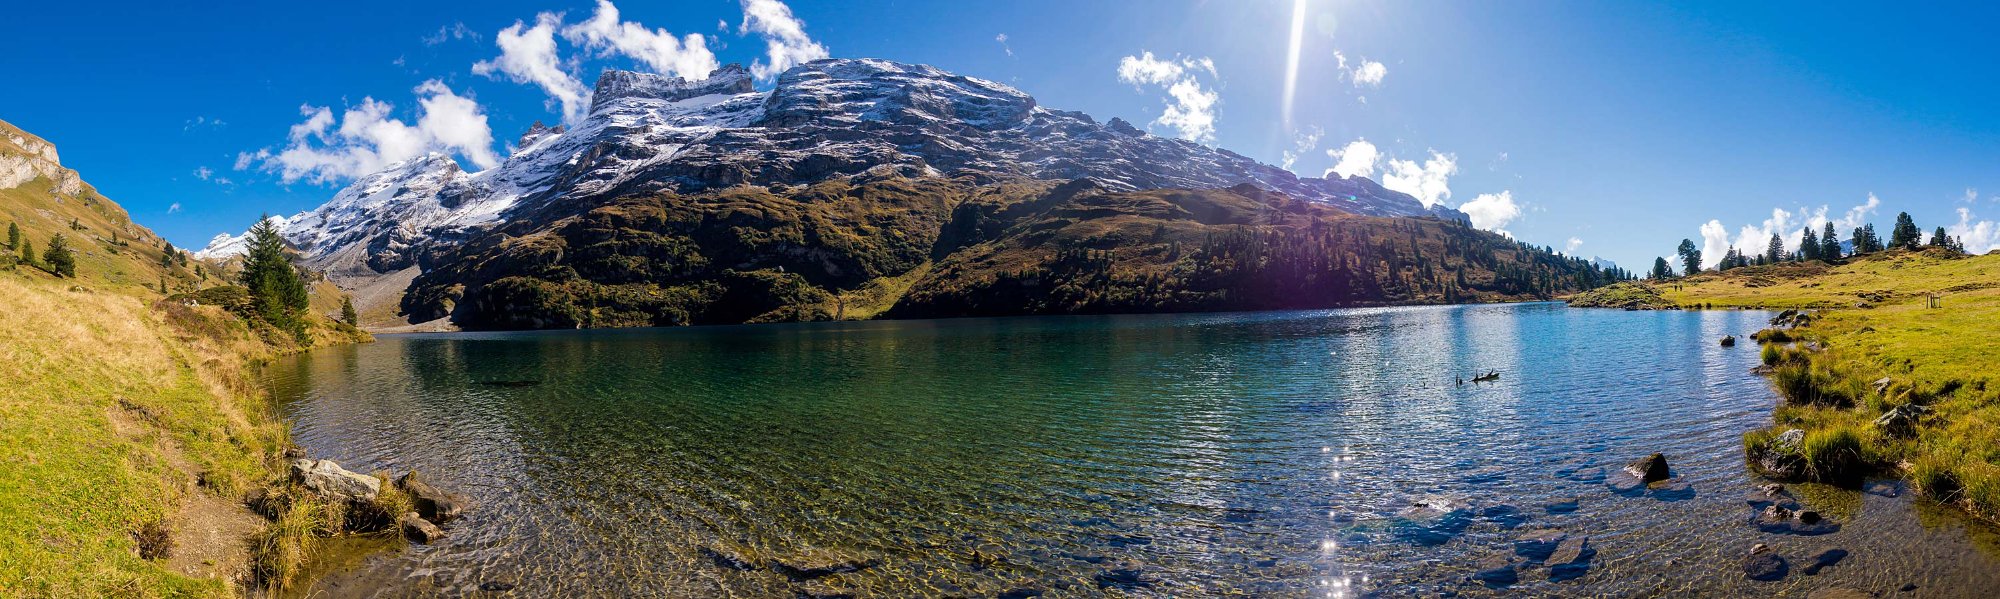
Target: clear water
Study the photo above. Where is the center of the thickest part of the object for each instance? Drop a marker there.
(1272, 454)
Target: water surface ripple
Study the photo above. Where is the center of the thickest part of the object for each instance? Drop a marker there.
(1270, 454)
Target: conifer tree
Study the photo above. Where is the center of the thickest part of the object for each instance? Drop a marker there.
(1829, 244)
(58, 257)
(1939, 239)
(1690, 257)
(1808, 245)
(276, 292)
(27, 251)
(1775, 252)
(13, 236)
(1661, 270)
(1905, 235)
(347, 314)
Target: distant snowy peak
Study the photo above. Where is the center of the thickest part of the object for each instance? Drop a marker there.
(614, 85)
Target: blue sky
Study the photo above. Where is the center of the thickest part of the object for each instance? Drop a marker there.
(1621, 126)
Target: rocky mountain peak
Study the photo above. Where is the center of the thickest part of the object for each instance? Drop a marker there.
(614, 85)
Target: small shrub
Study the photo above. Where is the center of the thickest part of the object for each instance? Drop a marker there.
(283, 547)
(1833, 454)
(1771, 355)
(1773, 336)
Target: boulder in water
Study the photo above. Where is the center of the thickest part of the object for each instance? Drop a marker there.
(417, 529)
(433, 504)
(1649, 469)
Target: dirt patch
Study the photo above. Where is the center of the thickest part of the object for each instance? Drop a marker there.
(211, 537)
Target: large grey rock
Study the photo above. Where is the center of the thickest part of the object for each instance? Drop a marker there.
(329, 481)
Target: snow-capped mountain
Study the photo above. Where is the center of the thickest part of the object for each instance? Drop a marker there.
(647, 133)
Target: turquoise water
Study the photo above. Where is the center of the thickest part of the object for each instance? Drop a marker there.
(1270, 454)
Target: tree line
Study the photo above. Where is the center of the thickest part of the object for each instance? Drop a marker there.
(1824, 246)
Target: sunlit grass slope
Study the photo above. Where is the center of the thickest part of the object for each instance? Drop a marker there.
(1878, 323)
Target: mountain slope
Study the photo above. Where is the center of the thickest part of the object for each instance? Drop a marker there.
(44, 199)
(921, 246)
(822, 121)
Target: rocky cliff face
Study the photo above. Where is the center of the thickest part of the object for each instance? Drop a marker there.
(828, 120)
(26, 157)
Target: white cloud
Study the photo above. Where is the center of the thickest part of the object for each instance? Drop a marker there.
(174, 207)
(528, 55)
(1971, 195)
(1002, 38)
(785, 37)
(368, 139)
(686, 57)
(203, 173)
(1429, 182)
(1492, 212)
(1302, 142)
(1979, 237)
(454, 31)
(1144, 69)
(1190, 106)
(1365, 73)
(1569, 247)
(1356, 159)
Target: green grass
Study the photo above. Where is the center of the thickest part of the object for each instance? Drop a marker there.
(1875, 323)
(1631, 294)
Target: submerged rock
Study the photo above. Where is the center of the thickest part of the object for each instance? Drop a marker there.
(329, 481)
(1763, 564)
(1825, 559)
(818, 564)
(416, 528)
(1571, 559)
(1538, 545)
(1497, 571)
(1729, 341)
(1781, 457)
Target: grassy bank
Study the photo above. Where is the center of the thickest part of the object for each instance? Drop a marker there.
(125, 421)
(1875, 346)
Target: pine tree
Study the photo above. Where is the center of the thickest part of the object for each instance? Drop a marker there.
(1661, 270)
(1906, 235)
(1775, 252)
(58, 257)
(13, 236)
(27, 251)
(1939, 239)
(276, 292)
(1829, 244)
(347, 314)
(1690, 257)
(1808, 245)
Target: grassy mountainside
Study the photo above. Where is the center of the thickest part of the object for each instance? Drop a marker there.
(1876, 322)
(128, 420)
(932, 247)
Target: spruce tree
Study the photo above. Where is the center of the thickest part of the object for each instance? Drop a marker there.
(27, 251)
(347, 314)
(1906, 235)
(1939, 239)
(13, 236)
(1775, 252)
(276, 292)
(1829, 244)
(1808, 245)
(1661, 270)
(58, 257)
